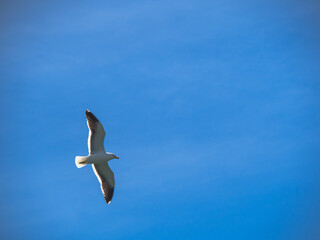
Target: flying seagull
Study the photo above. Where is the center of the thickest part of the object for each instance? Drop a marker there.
(98, 157)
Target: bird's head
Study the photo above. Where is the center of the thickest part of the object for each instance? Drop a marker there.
(114, 156)
(111, 156)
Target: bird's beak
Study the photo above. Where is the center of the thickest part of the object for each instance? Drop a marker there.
(117, 157)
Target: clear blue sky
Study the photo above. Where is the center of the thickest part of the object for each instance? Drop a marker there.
(212, 107)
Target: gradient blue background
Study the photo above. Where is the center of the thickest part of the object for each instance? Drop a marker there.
(212, 107)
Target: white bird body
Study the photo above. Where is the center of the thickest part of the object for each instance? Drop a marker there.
(98, 157)
(95, 158)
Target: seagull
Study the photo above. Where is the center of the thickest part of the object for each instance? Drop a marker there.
(98, 157)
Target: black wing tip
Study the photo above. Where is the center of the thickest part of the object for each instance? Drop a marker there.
(108, 198)
(90, 115)
(108, 194)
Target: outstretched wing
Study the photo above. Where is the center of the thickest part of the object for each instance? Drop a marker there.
(106, 179)
(96, 134)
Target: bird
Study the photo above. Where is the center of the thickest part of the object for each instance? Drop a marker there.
(98, 157)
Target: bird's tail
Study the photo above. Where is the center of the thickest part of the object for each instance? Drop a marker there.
(81, 161)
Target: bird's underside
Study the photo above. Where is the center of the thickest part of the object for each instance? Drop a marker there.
(96, 151)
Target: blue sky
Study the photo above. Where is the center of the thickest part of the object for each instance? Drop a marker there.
(212, 107)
